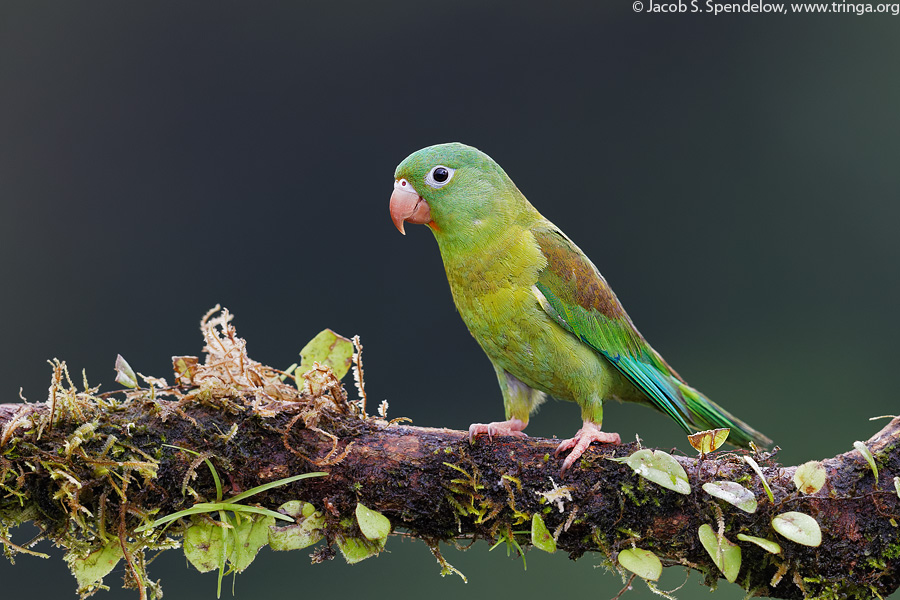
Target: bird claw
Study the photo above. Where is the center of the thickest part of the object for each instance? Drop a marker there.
(588, 433)
(512, 427)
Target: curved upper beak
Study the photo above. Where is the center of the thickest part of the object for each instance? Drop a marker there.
(408, 205)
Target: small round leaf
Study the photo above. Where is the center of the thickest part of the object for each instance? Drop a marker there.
(660, 468)
(767, 545)
(327, 348)
(247, 538)
(732, 493)
(798, 527)
(203, 542)
(642, 563)
(540, 535)
(810, 477)
(358, 549)
(373, 524)
(308, 528)
(725, 555)
(91, 569)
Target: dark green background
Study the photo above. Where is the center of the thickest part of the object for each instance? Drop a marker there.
(735, 178)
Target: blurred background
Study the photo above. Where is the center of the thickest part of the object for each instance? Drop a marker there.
(734, 177)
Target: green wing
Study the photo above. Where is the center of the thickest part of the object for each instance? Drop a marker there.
(579, 299)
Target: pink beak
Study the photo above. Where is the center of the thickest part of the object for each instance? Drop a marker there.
(408, 205)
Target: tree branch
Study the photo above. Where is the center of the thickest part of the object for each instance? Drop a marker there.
(108, 466)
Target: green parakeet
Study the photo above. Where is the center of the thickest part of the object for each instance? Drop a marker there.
(537, 306)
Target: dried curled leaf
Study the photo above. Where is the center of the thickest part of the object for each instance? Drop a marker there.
(725, 554)
(798, 527)
(660, 468)
(810, 477)
(708, 441)
(767, 545)
(184, 368)
(864, 450)
(732, 493)
(228, 367)
(642, 563)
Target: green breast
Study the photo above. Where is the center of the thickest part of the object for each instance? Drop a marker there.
(492, 289)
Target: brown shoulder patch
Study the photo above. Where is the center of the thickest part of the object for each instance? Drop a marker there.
(573, 277)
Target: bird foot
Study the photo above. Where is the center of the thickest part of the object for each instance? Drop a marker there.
(512, 427)
(588, 433)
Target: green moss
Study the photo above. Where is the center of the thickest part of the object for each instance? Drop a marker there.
(640, 494)
(629, 533)
(893, 551)
(745, 478)
(627, 490)
(840, 591)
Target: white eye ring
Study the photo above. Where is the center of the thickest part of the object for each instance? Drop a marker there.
(446, 172)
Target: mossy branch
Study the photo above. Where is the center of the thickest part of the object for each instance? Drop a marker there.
(107, 467)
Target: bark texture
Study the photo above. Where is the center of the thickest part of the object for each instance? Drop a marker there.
(436, 485)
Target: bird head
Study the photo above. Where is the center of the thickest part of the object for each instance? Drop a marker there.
(457, 190)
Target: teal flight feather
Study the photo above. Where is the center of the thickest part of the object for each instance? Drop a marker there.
(601, 334)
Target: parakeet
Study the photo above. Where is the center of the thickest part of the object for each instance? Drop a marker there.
(537, 306)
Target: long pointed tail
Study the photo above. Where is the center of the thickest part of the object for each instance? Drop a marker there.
(706, 414)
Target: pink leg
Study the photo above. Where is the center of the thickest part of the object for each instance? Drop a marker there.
(589, 432)
(512, 427)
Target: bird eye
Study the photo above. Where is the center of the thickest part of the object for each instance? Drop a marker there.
(439, 176)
